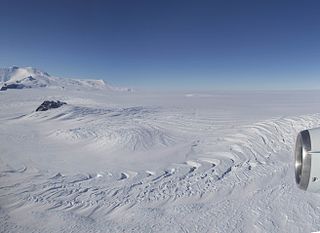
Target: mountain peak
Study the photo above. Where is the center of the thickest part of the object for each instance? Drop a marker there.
(16, 77)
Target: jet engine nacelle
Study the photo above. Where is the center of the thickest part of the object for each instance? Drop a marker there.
(307, 160)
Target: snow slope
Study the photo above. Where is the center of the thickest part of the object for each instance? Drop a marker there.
(28, 77)
(154, 162)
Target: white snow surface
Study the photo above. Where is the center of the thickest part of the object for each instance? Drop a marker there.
(154, 162)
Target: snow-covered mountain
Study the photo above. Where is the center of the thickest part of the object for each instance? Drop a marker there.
(27, 77)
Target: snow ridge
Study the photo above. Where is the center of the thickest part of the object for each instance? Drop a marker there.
(116, 163)
(252, 155)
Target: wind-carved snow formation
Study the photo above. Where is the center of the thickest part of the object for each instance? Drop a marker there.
(27, 77)
(154, 162)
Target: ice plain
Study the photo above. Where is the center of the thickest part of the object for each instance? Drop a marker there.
(143, 161)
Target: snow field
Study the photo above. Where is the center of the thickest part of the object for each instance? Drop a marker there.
(97, 165)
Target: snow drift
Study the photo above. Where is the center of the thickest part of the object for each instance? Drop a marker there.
(160, 162)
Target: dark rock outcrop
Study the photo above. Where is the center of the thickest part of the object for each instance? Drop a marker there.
(12, 86)
(3, 88)
(46, 105)
(15, 86)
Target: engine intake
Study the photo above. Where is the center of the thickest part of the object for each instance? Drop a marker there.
(307, 160)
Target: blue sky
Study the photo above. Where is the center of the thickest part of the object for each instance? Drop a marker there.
(167, 44)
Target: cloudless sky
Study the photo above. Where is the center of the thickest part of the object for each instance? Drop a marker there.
(267, 44)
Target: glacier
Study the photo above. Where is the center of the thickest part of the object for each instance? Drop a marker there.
(113, 160)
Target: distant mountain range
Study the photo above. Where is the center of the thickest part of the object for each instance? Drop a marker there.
(27, 77)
